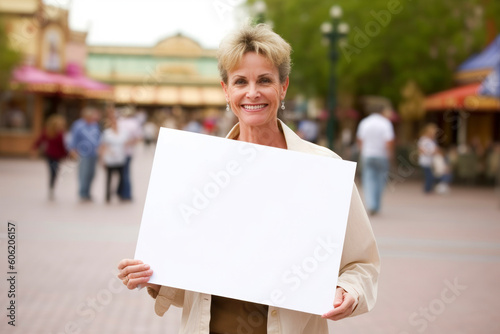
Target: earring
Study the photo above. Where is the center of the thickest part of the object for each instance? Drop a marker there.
(282, 105)
(227, 107)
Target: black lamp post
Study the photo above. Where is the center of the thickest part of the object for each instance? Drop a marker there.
(333, 32)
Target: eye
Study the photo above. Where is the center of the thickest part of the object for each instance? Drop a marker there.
(239, 81)
(265, 80)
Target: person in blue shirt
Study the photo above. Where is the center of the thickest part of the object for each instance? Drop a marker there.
(83, 146)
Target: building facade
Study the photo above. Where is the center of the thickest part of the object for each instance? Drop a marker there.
(176, 75)
(50, 77)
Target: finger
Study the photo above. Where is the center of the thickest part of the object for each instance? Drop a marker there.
(342, 311)
(337, 313)
(334, 313)
(339, 297)
(127, 262)
(146, 273)
(338, 316)
(133, 269)
(133, 283)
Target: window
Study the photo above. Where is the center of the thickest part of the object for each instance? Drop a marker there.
(16, 111)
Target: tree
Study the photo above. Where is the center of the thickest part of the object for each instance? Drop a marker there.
(391, 43)
(8, 58)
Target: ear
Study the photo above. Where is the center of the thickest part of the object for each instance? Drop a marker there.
(284, 88)
(224, 88)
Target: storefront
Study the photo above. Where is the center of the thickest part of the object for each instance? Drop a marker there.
(468, 117)
(50, 78)
(465, 113)
(465, 116)
(175, 77)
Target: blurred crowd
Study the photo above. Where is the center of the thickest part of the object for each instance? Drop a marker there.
(472, 163)
(108, 138)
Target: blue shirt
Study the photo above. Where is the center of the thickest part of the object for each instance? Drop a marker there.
(85, 138)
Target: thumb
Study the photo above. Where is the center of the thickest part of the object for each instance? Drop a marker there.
(339, 297)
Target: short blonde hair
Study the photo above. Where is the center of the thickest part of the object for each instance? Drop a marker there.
(54, 125)
(259, 39)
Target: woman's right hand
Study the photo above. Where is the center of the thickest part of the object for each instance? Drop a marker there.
(134, 273)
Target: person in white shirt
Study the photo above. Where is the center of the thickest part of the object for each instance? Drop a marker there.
(112, 152)
(130, 125)
(375, 137)
(427, 148)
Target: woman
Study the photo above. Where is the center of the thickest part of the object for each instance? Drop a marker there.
(426, 149)
(51, 143)
(254, 65)
(112, 152)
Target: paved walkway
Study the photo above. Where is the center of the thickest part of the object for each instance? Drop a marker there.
(441, 259)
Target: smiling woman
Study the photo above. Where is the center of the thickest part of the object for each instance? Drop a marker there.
(254, 92)
(254, 64)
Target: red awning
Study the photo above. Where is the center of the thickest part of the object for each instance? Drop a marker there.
(463, 97)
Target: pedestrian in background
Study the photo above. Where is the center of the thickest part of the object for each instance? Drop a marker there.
(194, 124)
(150, 130)
(51, 145)
(441, 171)
(375, 137)
(84, 144)
(112, 152)
(308, 129)
(131, 126)
(426, 149)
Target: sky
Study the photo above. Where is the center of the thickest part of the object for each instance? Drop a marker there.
(145, 22)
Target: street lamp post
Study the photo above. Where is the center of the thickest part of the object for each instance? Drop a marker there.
(333, 32)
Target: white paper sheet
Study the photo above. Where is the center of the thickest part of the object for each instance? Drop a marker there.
(245, 221)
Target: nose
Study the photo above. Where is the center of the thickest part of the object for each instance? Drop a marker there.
(253, 91)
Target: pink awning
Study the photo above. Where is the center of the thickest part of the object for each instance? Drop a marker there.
(36, 80)
(41, 80)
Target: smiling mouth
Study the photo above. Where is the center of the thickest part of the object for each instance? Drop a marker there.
(253, 107)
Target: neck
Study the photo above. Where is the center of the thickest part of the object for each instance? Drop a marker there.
(269, 135)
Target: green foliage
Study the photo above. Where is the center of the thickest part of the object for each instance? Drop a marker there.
(492, 13)
(8, 58)
(424, 41)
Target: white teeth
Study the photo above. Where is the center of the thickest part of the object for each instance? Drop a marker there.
(254, 107)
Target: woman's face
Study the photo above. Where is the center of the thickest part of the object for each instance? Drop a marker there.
(254, 91)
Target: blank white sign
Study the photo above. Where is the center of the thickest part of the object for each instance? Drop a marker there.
(245, 221)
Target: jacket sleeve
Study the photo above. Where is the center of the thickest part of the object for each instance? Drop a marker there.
(165, 298)
(38, 142)
(360, 264)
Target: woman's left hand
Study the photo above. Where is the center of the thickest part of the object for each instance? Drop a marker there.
(344, 305)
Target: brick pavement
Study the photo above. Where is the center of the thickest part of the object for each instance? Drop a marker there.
(69, 251)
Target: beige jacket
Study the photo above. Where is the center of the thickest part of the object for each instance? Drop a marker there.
(359, 269)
